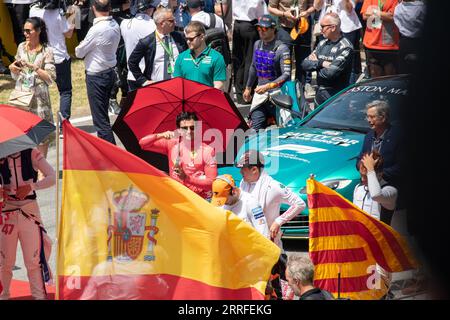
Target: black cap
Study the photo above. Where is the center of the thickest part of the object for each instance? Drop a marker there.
(251, 158)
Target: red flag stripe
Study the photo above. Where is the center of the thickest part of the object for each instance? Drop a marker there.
(320, 200)
(342, 228)
(83, 144)
(350, 284)
(395, 245)
(338, 256)
(148, 287)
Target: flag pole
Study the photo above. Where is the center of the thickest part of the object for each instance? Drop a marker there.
(339, 283)
(58, 130)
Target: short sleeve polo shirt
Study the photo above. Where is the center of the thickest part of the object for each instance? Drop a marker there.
(208, 67)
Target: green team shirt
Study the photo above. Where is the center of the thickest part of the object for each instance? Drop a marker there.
(208, 67)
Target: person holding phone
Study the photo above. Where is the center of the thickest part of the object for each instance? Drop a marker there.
(34, 71)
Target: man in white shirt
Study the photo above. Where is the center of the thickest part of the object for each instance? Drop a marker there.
(19, 11)
(229, 197)
(245, 17)
(58, 29)
(269, 193)
(197, 14)
(159, 51)
(138, 27)
(99, 52)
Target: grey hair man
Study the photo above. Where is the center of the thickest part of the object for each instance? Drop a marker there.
(159, 50)
(300, 276)
(386, 139)
(332, 59)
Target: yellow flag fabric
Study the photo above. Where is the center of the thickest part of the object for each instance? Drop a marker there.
(128, 231)
(345, 240)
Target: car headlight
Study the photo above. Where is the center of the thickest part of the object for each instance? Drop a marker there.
(335, 184)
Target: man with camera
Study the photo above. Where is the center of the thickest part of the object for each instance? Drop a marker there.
(135, 29)
(58, 29)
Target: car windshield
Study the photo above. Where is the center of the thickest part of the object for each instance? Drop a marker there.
(348, 110)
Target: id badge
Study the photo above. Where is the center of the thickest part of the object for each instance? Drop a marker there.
(169, 68)
(28, 80)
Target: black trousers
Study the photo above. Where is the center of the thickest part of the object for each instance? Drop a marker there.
(244, 38)
(18, 13)
(64, 83)
(99, 87)
(302, 49)
(132, 85)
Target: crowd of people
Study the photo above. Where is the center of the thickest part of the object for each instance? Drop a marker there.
(132, 45)
(265, 42)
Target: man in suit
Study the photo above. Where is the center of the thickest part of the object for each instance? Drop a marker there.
(159, 50)
(385, 139)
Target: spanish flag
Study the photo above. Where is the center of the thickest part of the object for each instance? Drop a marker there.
(128, 231)
(345, 240)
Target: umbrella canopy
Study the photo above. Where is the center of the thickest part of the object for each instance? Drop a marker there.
(20, 130)
(153, 109)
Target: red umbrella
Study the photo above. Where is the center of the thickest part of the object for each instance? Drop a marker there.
(20, 130)
(153, 109)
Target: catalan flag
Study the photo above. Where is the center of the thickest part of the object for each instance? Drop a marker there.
(344, 239)
(128, 231)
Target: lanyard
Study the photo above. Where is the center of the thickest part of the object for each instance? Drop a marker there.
(203, 55)
(32, 58)
(167, 49)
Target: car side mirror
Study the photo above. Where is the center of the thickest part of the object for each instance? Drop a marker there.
(283, 101)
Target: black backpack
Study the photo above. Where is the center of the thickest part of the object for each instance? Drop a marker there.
(217, 39)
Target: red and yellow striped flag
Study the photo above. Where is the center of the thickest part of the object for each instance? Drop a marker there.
(128, 231)
(344, 238)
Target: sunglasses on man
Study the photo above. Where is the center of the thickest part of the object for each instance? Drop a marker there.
(264, 29)
(188, 127)
(190, 39)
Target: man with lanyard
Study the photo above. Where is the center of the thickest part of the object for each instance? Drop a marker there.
(270, 194)
(271, 65)
(229, 197)
(200, 63)
(20, 219)
(191, 162)
(159, 51)
(99, 50)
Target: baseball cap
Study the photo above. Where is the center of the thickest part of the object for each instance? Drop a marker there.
(266, 21)
(221, 189)
(251, 158)
(194, 3)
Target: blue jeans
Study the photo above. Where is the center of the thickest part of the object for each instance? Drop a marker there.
(99, 88)
(64, 83)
